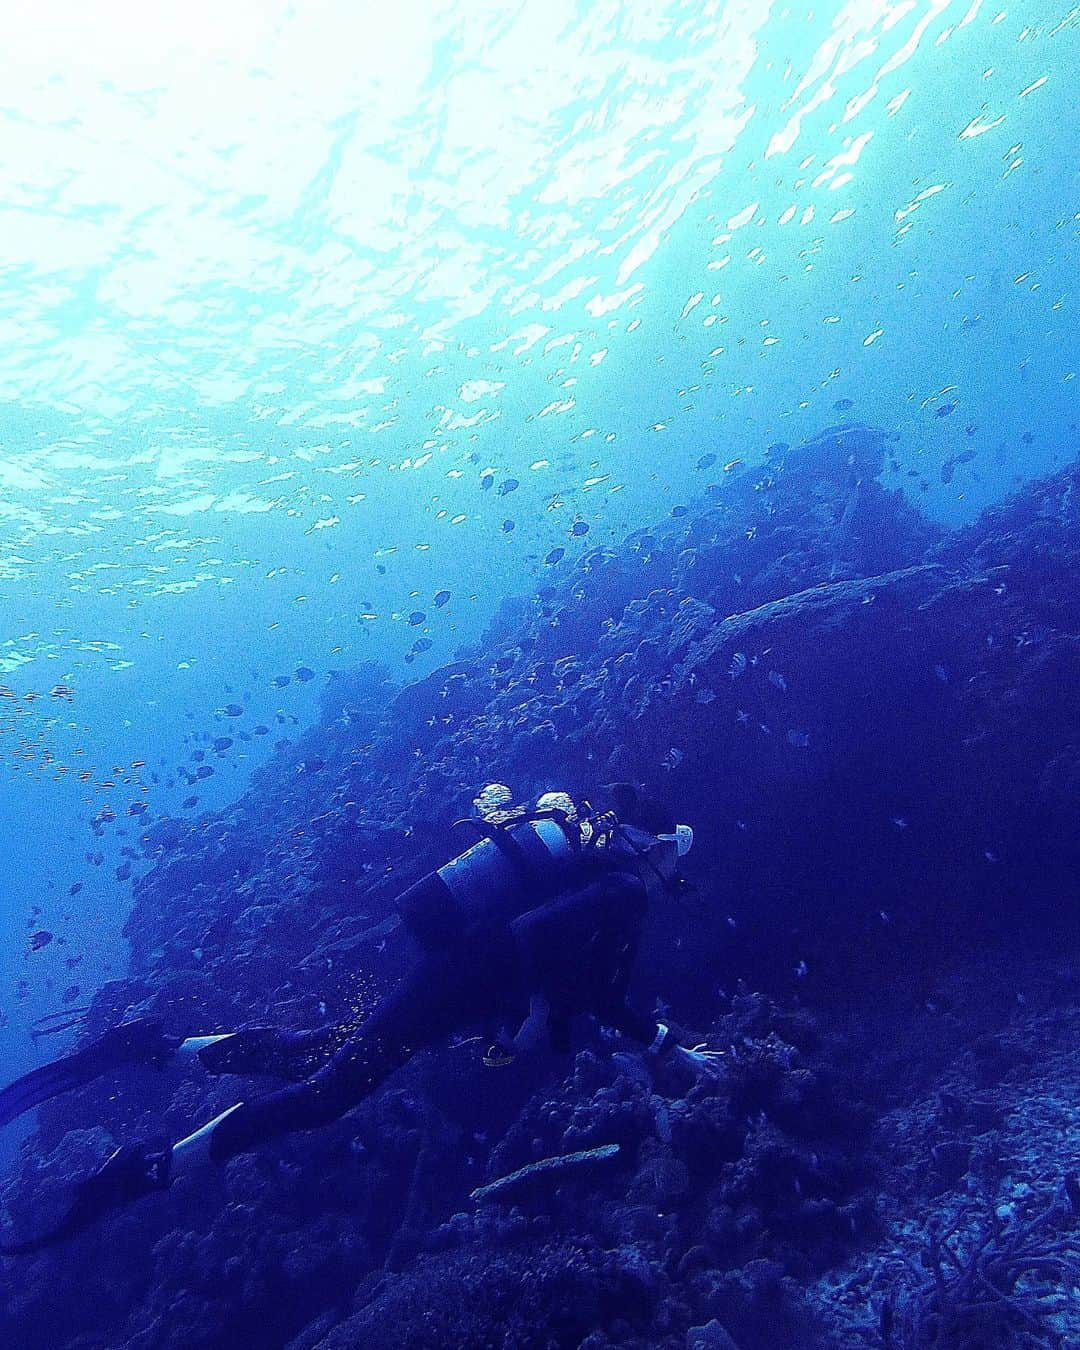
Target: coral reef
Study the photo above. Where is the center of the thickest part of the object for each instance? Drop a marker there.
(875, 730)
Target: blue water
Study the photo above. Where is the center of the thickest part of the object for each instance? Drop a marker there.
(290, 293)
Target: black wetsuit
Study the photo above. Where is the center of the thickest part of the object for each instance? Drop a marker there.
(569, 935)
(577, 950)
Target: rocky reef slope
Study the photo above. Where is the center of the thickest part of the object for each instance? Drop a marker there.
(875, 730)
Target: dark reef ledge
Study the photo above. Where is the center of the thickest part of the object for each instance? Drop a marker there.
(874, 728)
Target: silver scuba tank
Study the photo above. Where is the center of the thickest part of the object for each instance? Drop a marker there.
(529, 857)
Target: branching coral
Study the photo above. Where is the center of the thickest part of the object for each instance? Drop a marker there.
(986, 1281)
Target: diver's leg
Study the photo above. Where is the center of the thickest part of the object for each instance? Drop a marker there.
(137, 1170)
(256, 1050)
(405, 1023)
(440, 997)
(264, 1050)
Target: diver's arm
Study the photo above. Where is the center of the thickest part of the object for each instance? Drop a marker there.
(698, 1059)
(660, 1041)
(624, 1018)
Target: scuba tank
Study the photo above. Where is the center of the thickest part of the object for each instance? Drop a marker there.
(514, 866)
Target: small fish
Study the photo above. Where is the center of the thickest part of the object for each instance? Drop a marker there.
(422, 645)
(802, 970)
(507, 526)
(204, 771)
(137, 808)
(942, 673)
(738, 665)
(280, 681)
(304, 673)
(579, 529)
(673, 758)
(441, 597)
(732, 464)
(123, 871)
(40, 939)
(189, 802)
(261, 730)
(899, 822)
(883, 916)
(706, 462)
(945, 410)
(742, 717)
(678, 511)
(775, 678)
(233, 710)
(507, 486)
(556, 555)
(843, 404)
(704, 696)
(799, 739)
(222, 743)
(486, 480)
(416, 618)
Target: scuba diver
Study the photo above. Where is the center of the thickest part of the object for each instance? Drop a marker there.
(537, 923)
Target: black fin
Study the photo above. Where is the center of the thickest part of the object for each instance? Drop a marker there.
(130, 1173)
(141, 1041)
(40, 1085)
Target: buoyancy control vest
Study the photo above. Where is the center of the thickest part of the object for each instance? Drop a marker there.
(512, 868)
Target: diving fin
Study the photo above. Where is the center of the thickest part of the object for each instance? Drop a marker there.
(38, 1086)
(141, 1041)
(128, 1174)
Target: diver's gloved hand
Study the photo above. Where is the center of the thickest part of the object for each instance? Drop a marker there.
(700, 1060)
(133, 1171)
